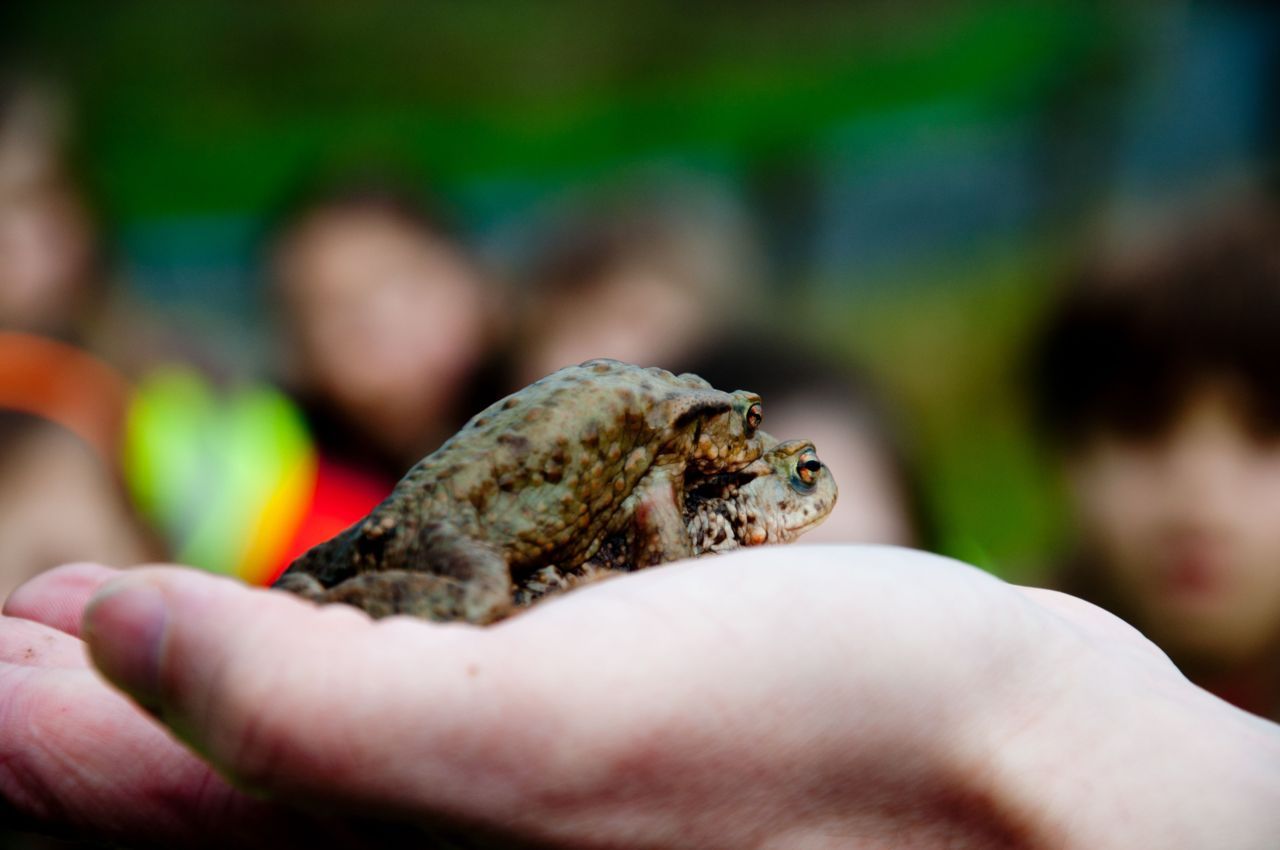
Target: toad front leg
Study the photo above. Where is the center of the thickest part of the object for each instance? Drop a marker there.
(657, 533)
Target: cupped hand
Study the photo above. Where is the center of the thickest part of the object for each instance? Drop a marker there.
(79, 759)
(783, 697)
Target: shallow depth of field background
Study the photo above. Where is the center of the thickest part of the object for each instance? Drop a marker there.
(918, 175)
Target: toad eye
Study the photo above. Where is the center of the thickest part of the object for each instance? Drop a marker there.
(755, 416)
(808, 468)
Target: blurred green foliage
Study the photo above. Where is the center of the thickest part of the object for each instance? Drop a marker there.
(207, 106)
(952, 354)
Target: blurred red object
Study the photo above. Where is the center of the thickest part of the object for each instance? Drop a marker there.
(342, 496)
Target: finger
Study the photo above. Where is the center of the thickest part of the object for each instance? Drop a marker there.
(57, 597)
(294, 699)
(28, 644)
(78, 759)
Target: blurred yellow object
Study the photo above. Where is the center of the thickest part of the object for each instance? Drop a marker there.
(227, 477)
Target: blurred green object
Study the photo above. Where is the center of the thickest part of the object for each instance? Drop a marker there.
(222, 475)
(953, 355)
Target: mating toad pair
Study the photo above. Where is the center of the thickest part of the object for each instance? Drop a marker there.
(595, 469)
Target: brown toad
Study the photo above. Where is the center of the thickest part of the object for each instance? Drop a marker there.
(773, 500)
(545, 476)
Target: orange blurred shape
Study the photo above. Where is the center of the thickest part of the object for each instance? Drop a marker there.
(65, 385)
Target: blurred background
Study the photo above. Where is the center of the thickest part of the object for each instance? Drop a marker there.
(255, 258)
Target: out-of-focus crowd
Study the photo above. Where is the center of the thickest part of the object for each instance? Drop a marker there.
(1153, 380)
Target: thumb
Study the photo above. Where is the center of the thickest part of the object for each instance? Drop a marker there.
(319, 704)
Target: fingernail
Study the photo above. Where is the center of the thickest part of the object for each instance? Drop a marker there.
(124, 627)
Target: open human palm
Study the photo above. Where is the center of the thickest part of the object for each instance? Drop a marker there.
(783, 697)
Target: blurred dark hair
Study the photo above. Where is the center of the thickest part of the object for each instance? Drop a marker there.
(1127, 343)
(398, 198)
(684, 232)
(575, 259)
(781, 370)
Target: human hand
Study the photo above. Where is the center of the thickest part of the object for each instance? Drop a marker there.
(79, 759)
(788, 697)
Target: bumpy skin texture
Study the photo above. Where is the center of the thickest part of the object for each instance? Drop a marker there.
(773, 500)
(588, 454)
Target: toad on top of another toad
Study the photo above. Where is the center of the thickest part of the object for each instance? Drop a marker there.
(773, 500)
(603, 452)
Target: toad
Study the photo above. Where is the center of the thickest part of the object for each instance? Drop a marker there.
(773, 500)
(604, 451)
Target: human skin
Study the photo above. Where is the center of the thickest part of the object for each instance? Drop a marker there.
(357, 287)
(788, 697)
(1181, 532)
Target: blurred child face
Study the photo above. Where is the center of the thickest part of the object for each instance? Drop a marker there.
(388, 321)
(45, 255)
(1186, 529)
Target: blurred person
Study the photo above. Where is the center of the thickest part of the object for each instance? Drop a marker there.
(386, 322)
(856, 433)
(640, 275)
(386, 328)
(62, 408)
(51, 270)
(59, 502)
(59, 277)
(1157, 383)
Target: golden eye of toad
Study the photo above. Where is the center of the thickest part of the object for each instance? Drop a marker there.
(808, 468)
